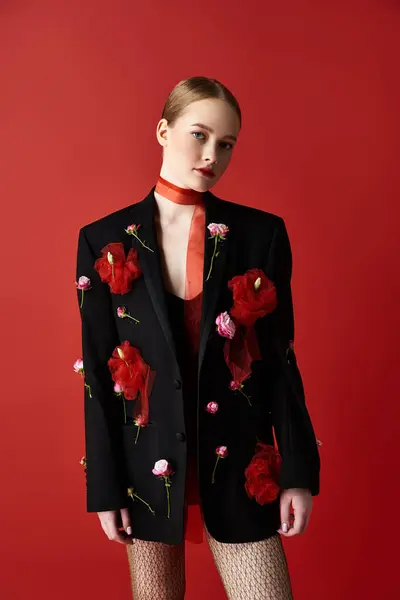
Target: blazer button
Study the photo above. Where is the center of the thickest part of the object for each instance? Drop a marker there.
(181, 437)
(177, 384)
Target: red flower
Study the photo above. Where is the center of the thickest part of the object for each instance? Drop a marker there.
(262, 474)
(254, 295)
(117, 271)
(133, 375)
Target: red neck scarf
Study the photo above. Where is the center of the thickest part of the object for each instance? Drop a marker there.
(177, 194)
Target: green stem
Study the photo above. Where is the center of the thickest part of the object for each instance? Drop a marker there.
(133, 318)
(245, 395)
(83, 291)
(167, 486)
(144, 502)
(144, 245)
(90, 391)
(137, 435)
(212, 258)
(216, 462)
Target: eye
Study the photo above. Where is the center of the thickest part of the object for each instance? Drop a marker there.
(227, 144)
(195, 132)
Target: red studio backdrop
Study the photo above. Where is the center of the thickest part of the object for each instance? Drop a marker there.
(82, 86)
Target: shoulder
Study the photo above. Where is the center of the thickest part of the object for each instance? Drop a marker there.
(253, 220)
(99, 232)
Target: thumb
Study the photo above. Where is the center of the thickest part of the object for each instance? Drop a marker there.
(126, 520)
(285, 512)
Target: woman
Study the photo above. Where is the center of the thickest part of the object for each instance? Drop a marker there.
(190, 371)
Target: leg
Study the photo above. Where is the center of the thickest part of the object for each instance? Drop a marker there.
(256, 570)
(157, 570)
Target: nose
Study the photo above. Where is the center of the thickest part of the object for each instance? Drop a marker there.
(210, 154)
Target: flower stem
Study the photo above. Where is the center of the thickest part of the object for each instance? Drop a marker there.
(133, 318)
(216, 462)
(89, 390)
(83, 291)
(167, 486)
(112, 270)
(137, 435)
(245, 395)
(144, 245)
(212, 258)
(144, 502)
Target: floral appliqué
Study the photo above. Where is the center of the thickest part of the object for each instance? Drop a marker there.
(83, 284)
(116, 270)
(218, 233)
(162, 469)
(78, 368)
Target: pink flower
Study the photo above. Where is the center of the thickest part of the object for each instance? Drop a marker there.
(221, 452)
(122, 314)
(132, 230)
(162, 468)
(218, 232)
(83, 461)
(225, 325)
(139, 422)
(78, 366)
(83, 284)
(118, 389)
(218, 229)
(212, 407)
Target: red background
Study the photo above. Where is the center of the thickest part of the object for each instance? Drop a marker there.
(82, 88)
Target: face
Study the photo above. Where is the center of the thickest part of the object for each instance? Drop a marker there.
(187, 146)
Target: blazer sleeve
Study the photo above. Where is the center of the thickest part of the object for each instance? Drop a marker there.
(105, 476)
(294, 431)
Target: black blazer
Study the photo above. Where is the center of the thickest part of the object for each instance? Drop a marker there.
(256, 238)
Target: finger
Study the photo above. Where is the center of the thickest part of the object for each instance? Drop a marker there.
(285, 502)
(117, 536)
(126, 520)
(299, 524)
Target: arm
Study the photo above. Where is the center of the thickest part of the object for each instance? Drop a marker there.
(293, 428)
(106, 488)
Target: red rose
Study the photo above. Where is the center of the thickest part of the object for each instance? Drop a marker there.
(262, 474)
(130, 371)
(117, 271)
(254, 295)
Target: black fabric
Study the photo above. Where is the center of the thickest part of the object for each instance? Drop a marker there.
(115, 460)
(188, 364)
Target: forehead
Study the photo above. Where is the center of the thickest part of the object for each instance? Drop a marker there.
(213, 113)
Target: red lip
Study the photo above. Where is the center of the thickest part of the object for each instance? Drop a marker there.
(206, 172)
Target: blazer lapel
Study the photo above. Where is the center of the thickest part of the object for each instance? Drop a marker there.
(216, 212)
(150, 263)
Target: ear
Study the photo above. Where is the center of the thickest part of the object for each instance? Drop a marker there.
(162, 132)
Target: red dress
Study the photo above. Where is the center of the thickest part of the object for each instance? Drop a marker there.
(185, 322)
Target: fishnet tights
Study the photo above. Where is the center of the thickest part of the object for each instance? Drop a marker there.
(249, 571)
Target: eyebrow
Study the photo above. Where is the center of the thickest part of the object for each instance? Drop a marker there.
(230, 137)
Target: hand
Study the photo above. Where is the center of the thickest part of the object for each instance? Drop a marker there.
(111, 521)
(301, 500)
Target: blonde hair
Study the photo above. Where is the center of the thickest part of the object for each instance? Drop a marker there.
(193, 89)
